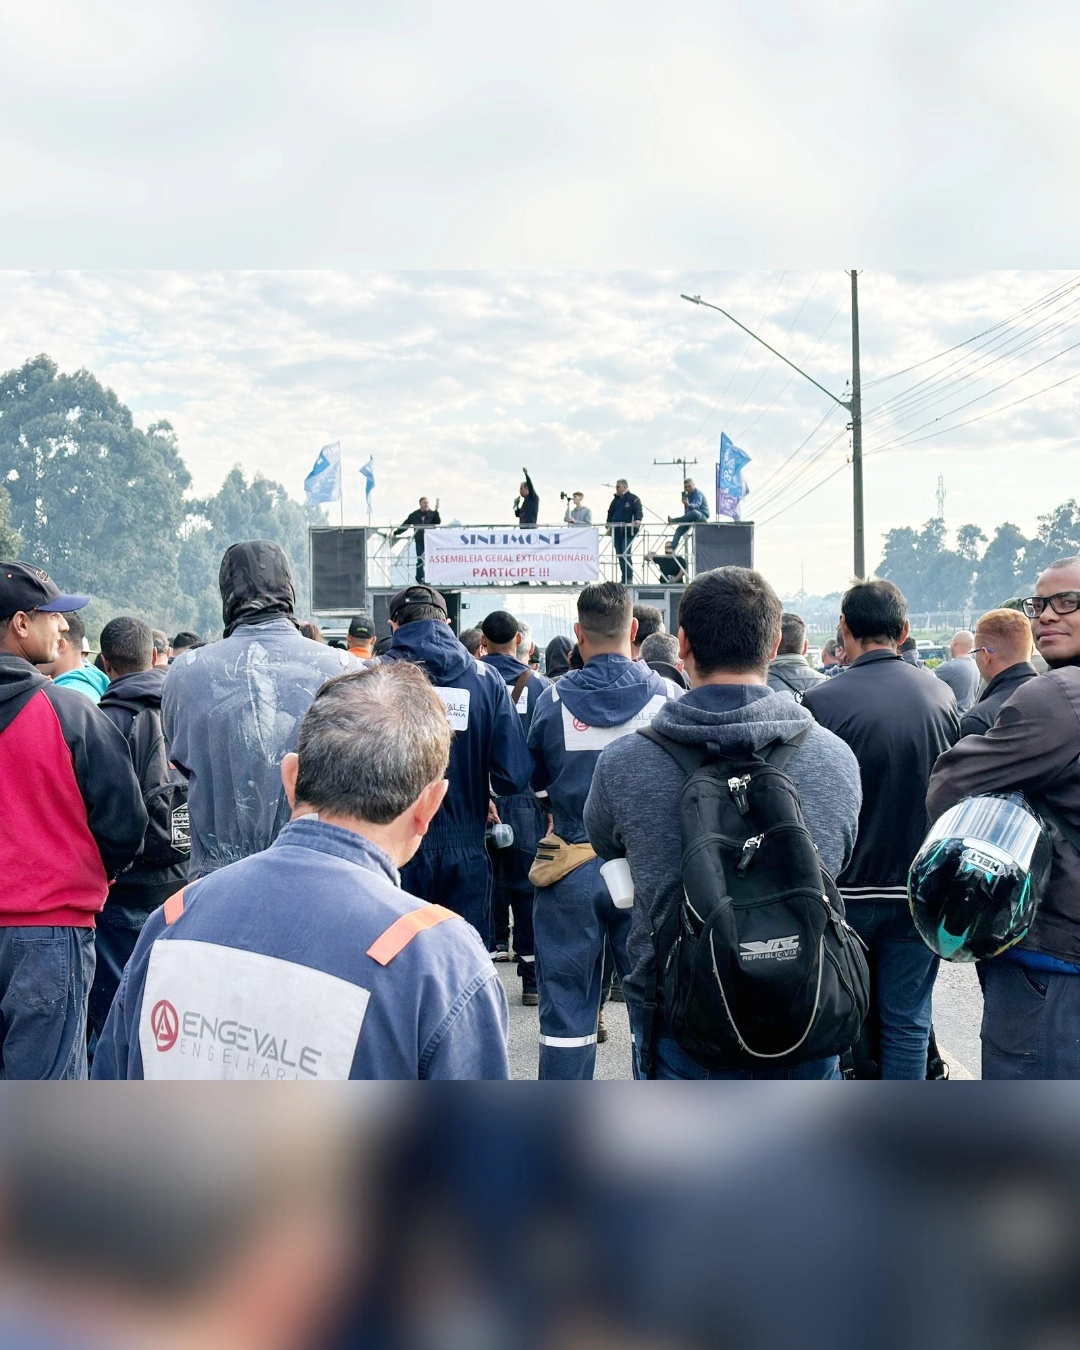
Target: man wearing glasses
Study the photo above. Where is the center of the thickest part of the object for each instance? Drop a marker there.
(1031, 1018)
(1003, 657)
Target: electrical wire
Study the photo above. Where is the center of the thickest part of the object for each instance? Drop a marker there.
(981, 416)
(1048, 298)
(760, 524)
(910, 403)
(723, 394)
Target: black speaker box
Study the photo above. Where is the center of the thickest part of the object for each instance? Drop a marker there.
(723, 545)
(338, 569)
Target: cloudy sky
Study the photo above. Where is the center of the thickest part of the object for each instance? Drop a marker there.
(455, 236)
(454, 380)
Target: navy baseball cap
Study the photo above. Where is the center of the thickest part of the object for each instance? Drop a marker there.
(25, 588)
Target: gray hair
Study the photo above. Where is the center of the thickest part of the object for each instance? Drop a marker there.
(661, 647)
(371, 742)
(526, 637)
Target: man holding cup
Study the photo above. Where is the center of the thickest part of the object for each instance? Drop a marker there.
(574, 912)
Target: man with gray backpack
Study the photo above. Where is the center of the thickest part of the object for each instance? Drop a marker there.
(741, 963)
(132, 702)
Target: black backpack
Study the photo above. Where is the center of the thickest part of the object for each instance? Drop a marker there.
(165, 796)
(758, 967)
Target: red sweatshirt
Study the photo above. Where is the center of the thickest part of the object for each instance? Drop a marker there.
(71, 812)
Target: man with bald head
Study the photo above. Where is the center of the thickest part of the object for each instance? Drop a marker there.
(1031, 1017)
(1002, 653)
(961, 673)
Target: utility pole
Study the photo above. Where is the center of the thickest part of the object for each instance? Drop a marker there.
(853, 406)
(670, 464)
(856, 431)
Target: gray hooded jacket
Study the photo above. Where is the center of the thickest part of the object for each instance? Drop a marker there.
(633, 810)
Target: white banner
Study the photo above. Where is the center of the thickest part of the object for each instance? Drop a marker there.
(466, 557)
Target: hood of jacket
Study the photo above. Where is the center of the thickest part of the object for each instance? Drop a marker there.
(740, 718)
(431, 643)
(137, 691)
(508, 667)
(556, 661)
(609, 691)
(256, 583)
(19, 681)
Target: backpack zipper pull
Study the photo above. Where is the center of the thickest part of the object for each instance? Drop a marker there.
(737, 787)
(749, 850)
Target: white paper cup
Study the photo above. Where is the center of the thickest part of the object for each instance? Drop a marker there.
(620, 883)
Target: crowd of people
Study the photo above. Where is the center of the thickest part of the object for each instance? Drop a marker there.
(268, 857)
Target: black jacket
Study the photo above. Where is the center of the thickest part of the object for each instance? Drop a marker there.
(978, 720)
(418, 518)
(140, 887)
(624, 510)
(897, 722)
(527, 509)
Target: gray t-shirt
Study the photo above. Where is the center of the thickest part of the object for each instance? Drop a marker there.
(961, 674)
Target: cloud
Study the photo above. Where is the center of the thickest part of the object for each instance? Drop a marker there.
(454, 380)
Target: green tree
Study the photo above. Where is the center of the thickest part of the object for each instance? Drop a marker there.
(97, 501)
(240, 510)
(10, 540)
(1058, 536)
(931, 576)
(1003, 570)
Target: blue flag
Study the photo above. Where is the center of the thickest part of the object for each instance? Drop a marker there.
(323, 483)
(730, 488)
(369, 474)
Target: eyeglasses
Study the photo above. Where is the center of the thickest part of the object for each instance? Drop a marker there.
(1065, 602)
(988, 650)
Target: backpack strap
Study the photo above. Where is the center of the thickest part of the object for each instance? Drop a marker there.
(689, 758)
(793, 687)
(781, 753)
(402, 931)
(519, 684)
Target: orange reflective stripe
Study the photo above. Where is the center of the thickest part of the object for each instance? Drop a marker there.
(174, 907)
(398, 936)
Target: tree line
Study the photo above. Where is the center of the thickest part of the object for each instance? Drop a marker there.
(102, 505)
(976, 571)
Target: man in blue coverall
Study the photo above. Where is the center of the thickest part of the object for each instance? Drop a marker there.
(488, 755)
(574, 720)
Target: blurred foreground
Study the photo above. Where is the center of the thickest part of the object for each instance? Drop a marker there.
(742, 1215)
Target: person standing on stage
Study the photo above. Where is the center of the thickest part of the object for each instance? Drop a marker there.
(527, 503)
(624, 516)
(417, 521)
(577, 514)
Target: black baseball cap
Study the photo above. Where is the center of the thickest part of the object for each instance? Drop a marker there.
(362, 627)
(415, 595)
(26, 588)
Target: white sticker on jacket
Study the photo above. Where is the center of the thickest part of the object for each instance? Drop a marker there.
(213, 1012)
(523, 700)
(457, 707)
(579, 736)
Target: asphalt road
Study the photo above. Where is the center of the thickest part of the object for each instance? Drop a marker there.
(957, 1013)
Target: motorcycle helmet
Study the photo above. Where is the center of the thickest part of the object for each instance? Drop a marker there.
(976, 883)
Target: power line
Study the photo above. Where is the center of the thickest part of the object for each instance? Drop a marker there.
(1046, 299)
(1026, 340)
(992, 413)
(828, 477)
(909, 436)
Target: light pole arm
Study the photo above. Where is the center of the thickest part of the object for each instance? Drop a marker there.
(697, 300)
